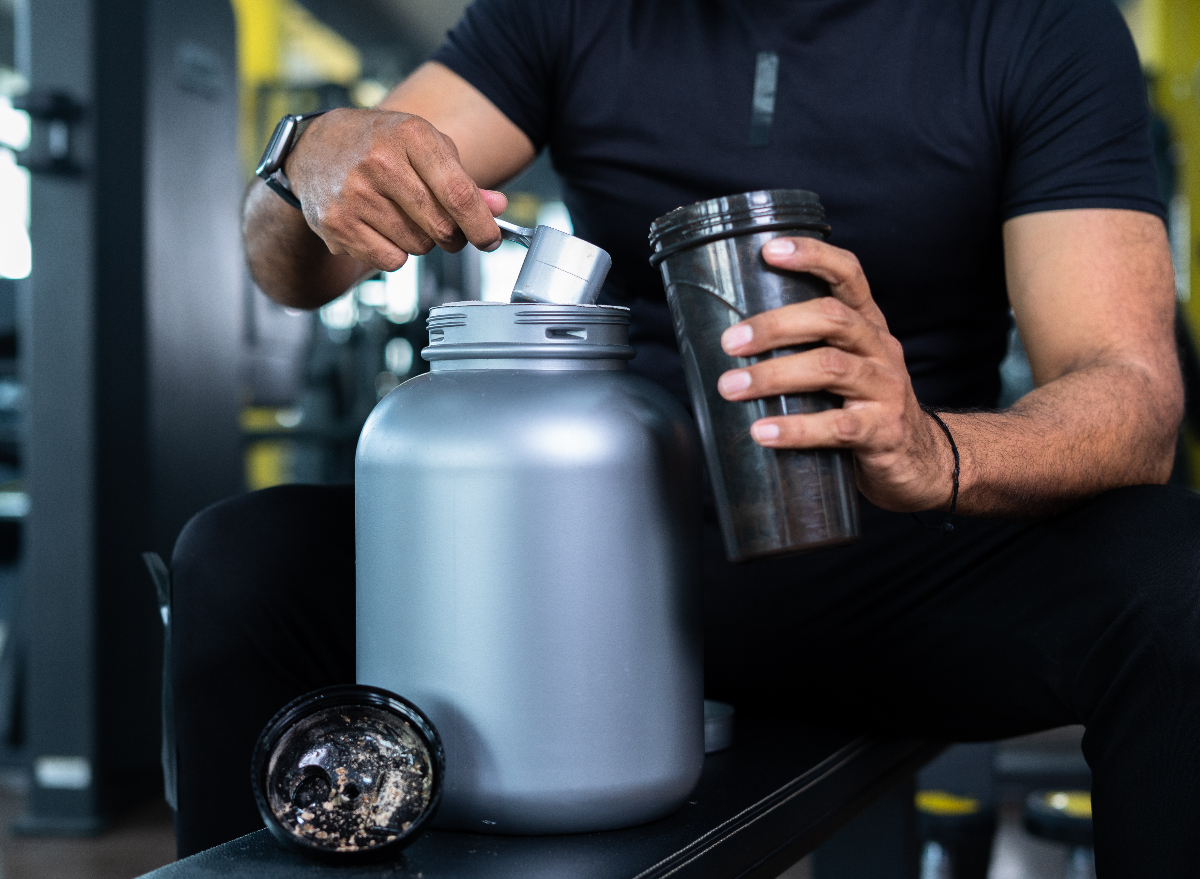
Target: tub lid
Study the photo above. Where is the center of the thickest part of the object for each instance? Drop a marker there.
(527, 330)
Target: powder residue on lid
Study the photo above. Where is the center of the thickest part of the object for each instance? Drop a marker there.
(350, 779)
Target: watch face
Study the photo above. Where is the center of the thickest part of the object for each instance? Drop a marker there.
(272, 156)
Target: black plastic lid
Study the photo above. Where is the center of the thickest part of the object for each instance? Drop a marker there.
(348, 774)
(749, 212)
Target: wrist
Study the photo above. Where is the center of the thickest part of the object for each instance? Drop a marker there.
(279, 149)
(945, 468)
(295, 161)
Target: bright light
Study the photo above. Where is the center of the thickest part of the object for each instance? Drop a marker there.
(15, 252)
(401, 291)
(341, 313)
(398, 356)
(14, 504)
(569, 442)
(498, 271)
(368, 92)
(12, 394)
(555, 215)
(14, 126)
(63, 773)
(372, 293)
(289, 418)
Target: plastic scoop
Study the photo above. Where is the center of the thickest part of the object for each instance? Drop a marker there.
(559, 268)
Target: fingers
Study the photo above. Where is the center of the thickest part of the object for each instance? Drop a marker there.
(372, 229)
(371, 248)
(394, 173)
(831, 429)
(497, 202)
(448, 203)
(857, 358)
(389, 174)
(821, 369)
(824, 319)
(385, 217)
(839, 268)
(398, 227)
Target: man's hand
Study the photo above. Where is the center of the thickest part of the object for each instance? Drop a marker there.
(903, 460)
(379, 185)
(1093, 296)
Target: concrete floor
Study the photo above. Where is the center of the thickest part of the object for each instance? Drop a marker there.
(141, 841)
(1018, 855)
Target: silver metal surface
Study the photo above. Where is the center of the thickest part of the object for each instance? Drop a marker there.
(555, 336)
(526, 540)
(516, 234)
(559, 268)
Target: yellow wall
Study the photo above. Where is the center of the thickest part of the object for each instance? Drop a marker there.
(282, 51)
(1167, 33)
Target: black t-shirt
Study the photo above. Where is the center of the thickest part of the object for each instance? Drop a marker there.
(922, 125)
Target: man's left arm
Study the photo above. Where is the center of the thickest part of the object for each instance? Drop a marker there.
(1093, 295)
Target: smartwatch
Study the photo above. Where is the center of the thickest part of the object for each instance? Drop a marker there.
(270, 167)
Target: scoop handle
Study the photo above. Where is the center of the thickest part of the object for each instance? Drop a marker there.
(513, 232)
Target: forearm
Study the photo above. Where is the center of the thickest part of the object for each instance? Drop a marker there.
(379, 186)
(287, 260)
(1095, 428)
(1093, 297)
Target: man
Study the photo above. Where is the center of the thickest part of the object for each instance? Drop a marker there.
(972, 156)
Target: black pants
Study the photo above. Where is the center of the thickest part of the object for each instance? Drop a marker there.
(995, 629)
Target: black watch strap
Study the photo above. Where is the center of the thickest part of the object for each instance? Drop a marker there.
(270, 167)
(277, 182)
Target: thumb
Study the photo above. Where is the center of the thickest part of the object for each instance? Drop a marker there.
(497, 202)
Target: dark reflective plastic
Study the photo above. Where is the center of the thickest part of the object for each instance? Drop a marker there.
(769, 502)
(348, 773)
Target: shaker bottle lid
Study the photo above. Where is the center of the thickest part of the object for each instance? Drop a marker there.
(348, 773)
(762, 211)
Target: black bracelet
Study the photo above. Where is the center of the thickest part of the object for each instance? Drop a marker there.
(948, 523)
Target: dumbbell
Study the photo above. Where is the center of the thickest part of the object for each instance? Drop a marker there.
(957, 834)
(1064, 816)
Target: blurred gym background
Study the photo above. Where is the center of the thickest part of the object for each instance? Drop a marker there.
(142, 375)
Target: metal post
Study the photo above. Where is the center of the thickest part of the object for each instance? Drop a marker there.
(57, 351)
(129, 344)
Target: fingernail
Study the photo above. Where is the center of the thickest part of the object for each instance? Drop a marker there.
(779, 247)
(766, 431)
(734, 381)
(495, 245)
(736, 336)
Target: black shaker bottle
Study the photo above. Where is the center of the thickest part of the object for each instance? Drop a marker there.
(769, 502)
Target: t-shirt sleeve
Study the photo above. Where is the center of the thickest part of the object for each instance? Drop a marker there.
(1075, 117)
(510, 50)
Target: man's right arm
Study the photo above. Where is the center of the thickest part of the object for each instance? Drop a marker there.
(378, 185)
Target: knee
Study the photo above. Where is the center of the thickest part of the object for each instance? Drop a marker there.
(1150, 535)
(1147, 568)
